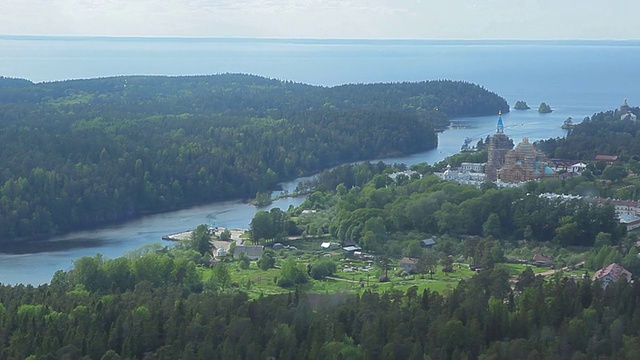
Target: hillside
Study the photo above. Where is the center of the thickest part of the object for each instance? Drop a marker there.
(82, 153)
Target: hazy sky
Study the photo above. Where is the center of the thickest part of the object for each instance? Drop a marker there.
(430, 19)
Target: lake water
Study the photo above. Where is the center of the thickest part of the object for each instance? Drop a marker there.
(576, 78)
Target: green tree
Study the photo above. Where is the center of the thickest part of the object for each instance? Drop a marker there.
(244, 261)
(291, 274)
(492, 226)
(225, 235)
(323, 268)
(266, 261)
(615, 172)
(428, 262)
(220, 278)
(602, 239)
(200, 239)
(262, 227)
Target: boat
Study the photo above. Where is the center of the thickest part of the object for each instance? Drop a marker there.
(465, 146)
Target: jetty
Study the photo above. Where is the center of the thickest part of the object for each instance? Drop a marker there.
(179, 236)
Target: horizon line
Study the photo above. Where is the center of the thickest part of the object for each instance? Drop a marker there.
(271, 38)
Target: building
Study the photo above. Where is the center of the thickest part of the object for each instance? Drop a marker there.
(611, 274)
(609, 159)
(624, 108)
(427, 243)
(409, 264)
(499, 144)
(462, 177)
(542, 260)
(578, 168)
(329, 245)
(468, 167)
(626, 112)
(524, 163)
(253, 252)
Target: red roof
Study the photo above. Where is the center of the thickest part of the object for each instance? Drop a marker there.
(542, 258)
(607, 157)
(614, 270)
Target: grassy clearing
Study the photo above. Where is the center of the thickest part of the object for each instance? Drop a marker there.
(352, 277)
(355, 275)
(517, 269)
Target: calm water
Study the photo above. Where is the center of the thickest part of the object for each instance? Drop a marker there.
(575, 78)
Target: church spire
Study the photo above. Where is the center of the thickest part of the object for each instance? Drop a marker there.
(500, 126)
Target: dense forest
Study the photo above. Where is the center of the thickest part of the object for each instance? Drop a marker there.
(603, 133)
(152, 310)
(85, 152)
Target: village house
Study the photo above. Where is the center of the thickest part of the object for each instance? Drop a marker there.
(611, 274)
(609, 159)
(542, 260)
(409, 264)
(253, 252)
(427, 243)
(329, 245)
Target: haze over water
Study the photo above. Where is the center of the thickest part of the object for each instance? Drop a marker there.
(576, 78)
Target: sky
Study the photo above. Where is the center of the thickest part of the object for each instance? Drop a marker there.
(376, 19)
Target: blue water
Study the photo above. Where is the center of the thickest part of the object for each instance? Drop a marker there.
(577, 75)
(575, 78)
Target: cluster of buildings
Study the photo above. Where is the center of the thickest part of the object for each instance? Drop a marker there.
(628, 211)
(510, 166)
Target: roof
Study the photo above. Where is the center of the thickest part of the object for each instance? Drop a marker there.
(352, 248)
(408, 261)
(607, 157)
(325, 245)
(428, 242)
(250, 250)
(614, 270)
(541, 258)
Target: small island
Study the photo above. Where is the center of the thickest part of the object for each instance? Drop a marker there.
(544, 108)
(521, 105)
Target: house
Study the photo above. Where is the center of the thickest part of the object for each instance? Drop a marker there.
(352, 249)
(328, 245)
(578, 168)
(253, 252)
(409, 264)
(630, 220)
(277, 246)
(542, 260)
(609, 159)
(427, 243)
(611, 273)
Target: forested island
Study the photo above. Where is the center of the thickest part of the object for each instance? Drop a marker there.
(521, 105)
(544, 108)
(82, 153)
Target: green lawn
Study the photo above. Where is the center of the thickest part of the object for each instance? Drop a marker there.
(517, 269)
